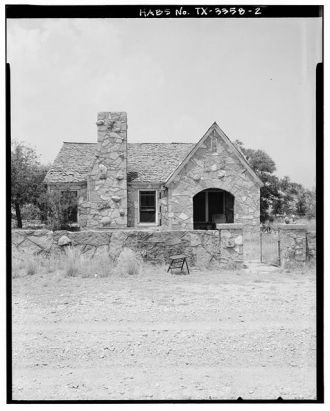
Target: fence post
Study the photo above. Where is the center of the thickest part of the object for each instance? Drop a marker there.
(279, 247)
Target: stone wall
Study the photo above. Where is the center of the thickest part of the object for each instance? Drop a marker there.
(292, 243)
(106, 205)
(214, 165)
(203, 248)
(311, 245)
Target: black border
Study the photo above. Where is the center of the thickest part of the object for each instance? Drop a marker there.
(132, 11)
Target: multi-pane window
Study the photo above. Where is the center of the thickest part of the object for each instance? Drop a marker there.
(147, 204)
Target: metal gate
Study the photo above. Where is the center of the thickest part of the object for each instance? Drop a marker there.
(270, 246)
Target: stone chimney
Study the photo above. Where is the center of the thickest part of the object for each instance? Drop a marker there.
(108, 179)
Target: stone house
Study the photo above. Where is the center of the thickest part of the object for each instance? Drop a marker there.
(172, 186)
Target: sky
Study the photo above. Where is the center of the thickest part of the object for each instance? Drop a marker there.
(174, 78)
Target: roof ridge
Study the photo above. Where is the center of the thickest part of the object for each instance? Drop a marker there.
(136, 142)
(163, 142)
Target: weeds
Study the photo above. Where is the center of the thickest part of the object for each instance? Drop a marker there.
(102, 265)
(128, 262)
(32, 265)
(75, 263)
(302, 267)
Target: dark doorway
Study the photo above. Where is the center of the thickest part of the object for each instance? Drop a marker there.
(69, 206)
(211, 207)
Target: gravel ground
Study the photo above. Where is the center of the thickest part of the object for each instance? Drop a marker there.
(207, 335)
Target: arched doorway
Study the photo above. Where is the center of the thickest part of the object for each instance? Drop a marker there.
(212, 206)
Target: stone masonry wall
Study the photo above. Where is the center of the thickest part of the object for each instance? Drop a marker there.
(202, 248)
(214, 169)
(311, 245)
(106, 206)
(292, 243)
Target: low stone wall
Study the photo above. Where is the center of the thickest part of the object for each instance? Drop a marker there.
(202, 248)
(296, 244)
(311, 245)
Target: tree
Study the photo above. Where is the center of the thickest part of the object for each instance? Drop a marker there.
(60, 208)
(264, 166)
(259, 160)
(27, 177)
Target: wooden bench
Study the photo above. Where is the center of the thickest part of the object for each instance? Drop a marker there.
(178, 261)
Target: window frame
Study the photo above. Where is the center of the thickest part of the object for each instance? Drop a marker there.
(156, 207)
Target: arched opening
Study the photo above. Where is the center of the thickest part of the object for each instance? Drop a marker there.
(212, 206)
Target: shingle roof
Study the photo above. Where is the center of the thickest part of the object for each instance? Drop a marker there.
(154, 162)
(146, 162)
(72, 163)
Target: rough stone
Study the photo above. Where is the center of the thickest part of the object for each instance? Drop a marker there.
(202, 248)
(224, 174)
(293, 244)
(105, 220)
(64, 240)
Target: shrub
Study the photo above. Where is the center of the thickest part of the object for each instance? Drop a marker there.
(128, 262)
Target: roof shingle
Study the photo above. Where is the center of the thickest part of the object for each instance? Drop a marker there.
(146, 162)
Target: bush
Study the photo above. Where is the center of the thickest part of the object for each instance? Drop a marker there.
(30, 212)
(128, 262)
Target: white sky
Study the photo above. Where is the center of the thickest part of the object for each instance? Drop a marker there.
(173, 77)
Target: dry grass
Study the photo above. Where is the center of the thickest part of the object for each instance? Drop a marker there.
(303, 267)
(128, 262)
(73, 263)
(26, 265)
(77, 264)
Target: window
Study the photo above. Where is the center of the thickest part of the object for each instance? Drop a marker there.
(147, 204)
(69, 206)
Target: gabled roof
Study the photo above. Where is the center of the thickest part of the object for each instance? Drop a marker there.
(234, 149)
(146, 162)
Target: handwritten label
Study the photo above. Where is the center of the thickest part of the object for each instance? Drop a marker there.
(200, 12)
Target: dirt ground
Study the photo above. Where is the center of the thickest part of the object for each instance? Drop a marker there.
(207, 335)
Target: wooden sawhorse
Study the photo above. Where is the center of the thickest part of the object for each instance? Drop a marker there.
(178, 261)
